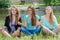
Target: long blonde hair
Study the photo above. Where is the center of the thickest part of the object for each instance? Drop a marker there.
(17, 14)
(51, 16)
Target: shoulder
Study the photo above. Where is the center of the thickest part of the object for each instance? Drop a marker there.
(7, 17)
(54, 17)
(25, 16)
(20, 18)
(37, 16)
(43, 16)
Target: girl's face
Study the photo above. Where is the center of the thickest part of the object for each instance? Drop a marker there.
(48, 10)
(14, 11)
(29, 10)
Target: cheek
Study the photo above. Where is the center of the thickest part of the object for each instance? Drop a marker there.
(13, 12)
(48, 11)
(30, 12)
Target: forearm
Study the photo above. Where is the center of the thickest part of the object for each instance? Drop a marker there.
(22, 24)
(19, 23)
(48, 30)
(25, 24)
(38, 23)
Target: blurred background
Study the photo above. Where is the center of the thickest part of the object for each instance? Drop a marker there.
(39, 6)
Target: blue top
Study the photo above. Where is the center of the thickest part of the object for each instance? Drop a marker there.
(29, 24)
(47, 24)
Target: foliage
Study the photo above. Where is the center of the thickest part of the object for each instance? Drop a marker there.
(52, 2)
(5, 3)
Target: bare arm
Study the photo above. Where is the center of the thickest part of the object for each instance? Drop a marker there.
(25, 24)
(19, 23)
(48, 30)
(37, 23)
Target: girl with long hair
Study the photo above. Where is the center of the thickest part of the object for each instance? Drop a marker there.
(49, 22)
(31, 24)
(12, 23)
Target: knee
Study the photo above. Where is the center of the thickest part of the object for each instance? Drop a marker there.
(39, 27)
(44, 31)
(1, 29)
(58, 26)
(16, 33)
(23, 28)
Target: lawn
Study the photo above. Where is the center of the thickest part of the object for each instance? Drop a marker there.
(35, 37)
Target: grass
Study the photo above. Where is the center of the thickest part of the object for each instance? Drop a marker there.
(35, 37)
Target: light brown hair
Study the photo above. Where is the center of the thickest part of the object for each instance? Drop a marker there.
(51, 16)
(33, 17)
(17, 16)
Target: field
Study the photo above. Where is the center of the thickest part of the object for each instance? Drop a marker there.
(35, 37)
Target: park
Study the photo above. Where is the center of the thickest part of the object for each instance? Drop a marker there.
(39, 6)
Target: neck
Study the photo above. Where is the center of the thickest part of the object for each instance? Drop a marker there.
(47, 16)
(30, 15)
(13, 15)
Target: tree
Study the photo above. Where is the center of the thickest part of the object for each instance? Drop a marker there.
(47, 2)
(5, 3)
(55, 2)
(22, 1)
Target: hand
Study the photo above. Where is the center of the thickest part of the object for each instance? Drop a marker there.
(16, 33)
(40, 23)
(19, 23)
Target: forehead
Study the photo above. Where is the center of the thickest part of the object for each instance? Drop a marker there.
(13, 8)
(29, 9)
(48, 7)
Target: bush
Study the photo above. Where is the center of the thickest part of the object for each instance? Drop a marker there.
(52, 2)
(47, 2)
(22, 2)
(5, 3)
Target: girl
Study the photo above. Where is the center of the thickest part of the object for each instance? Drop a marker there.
(31, 22)
(12, 23)
(49, 22)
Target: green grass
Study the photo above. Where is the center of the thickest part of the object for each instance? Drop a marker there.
(35, 37)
